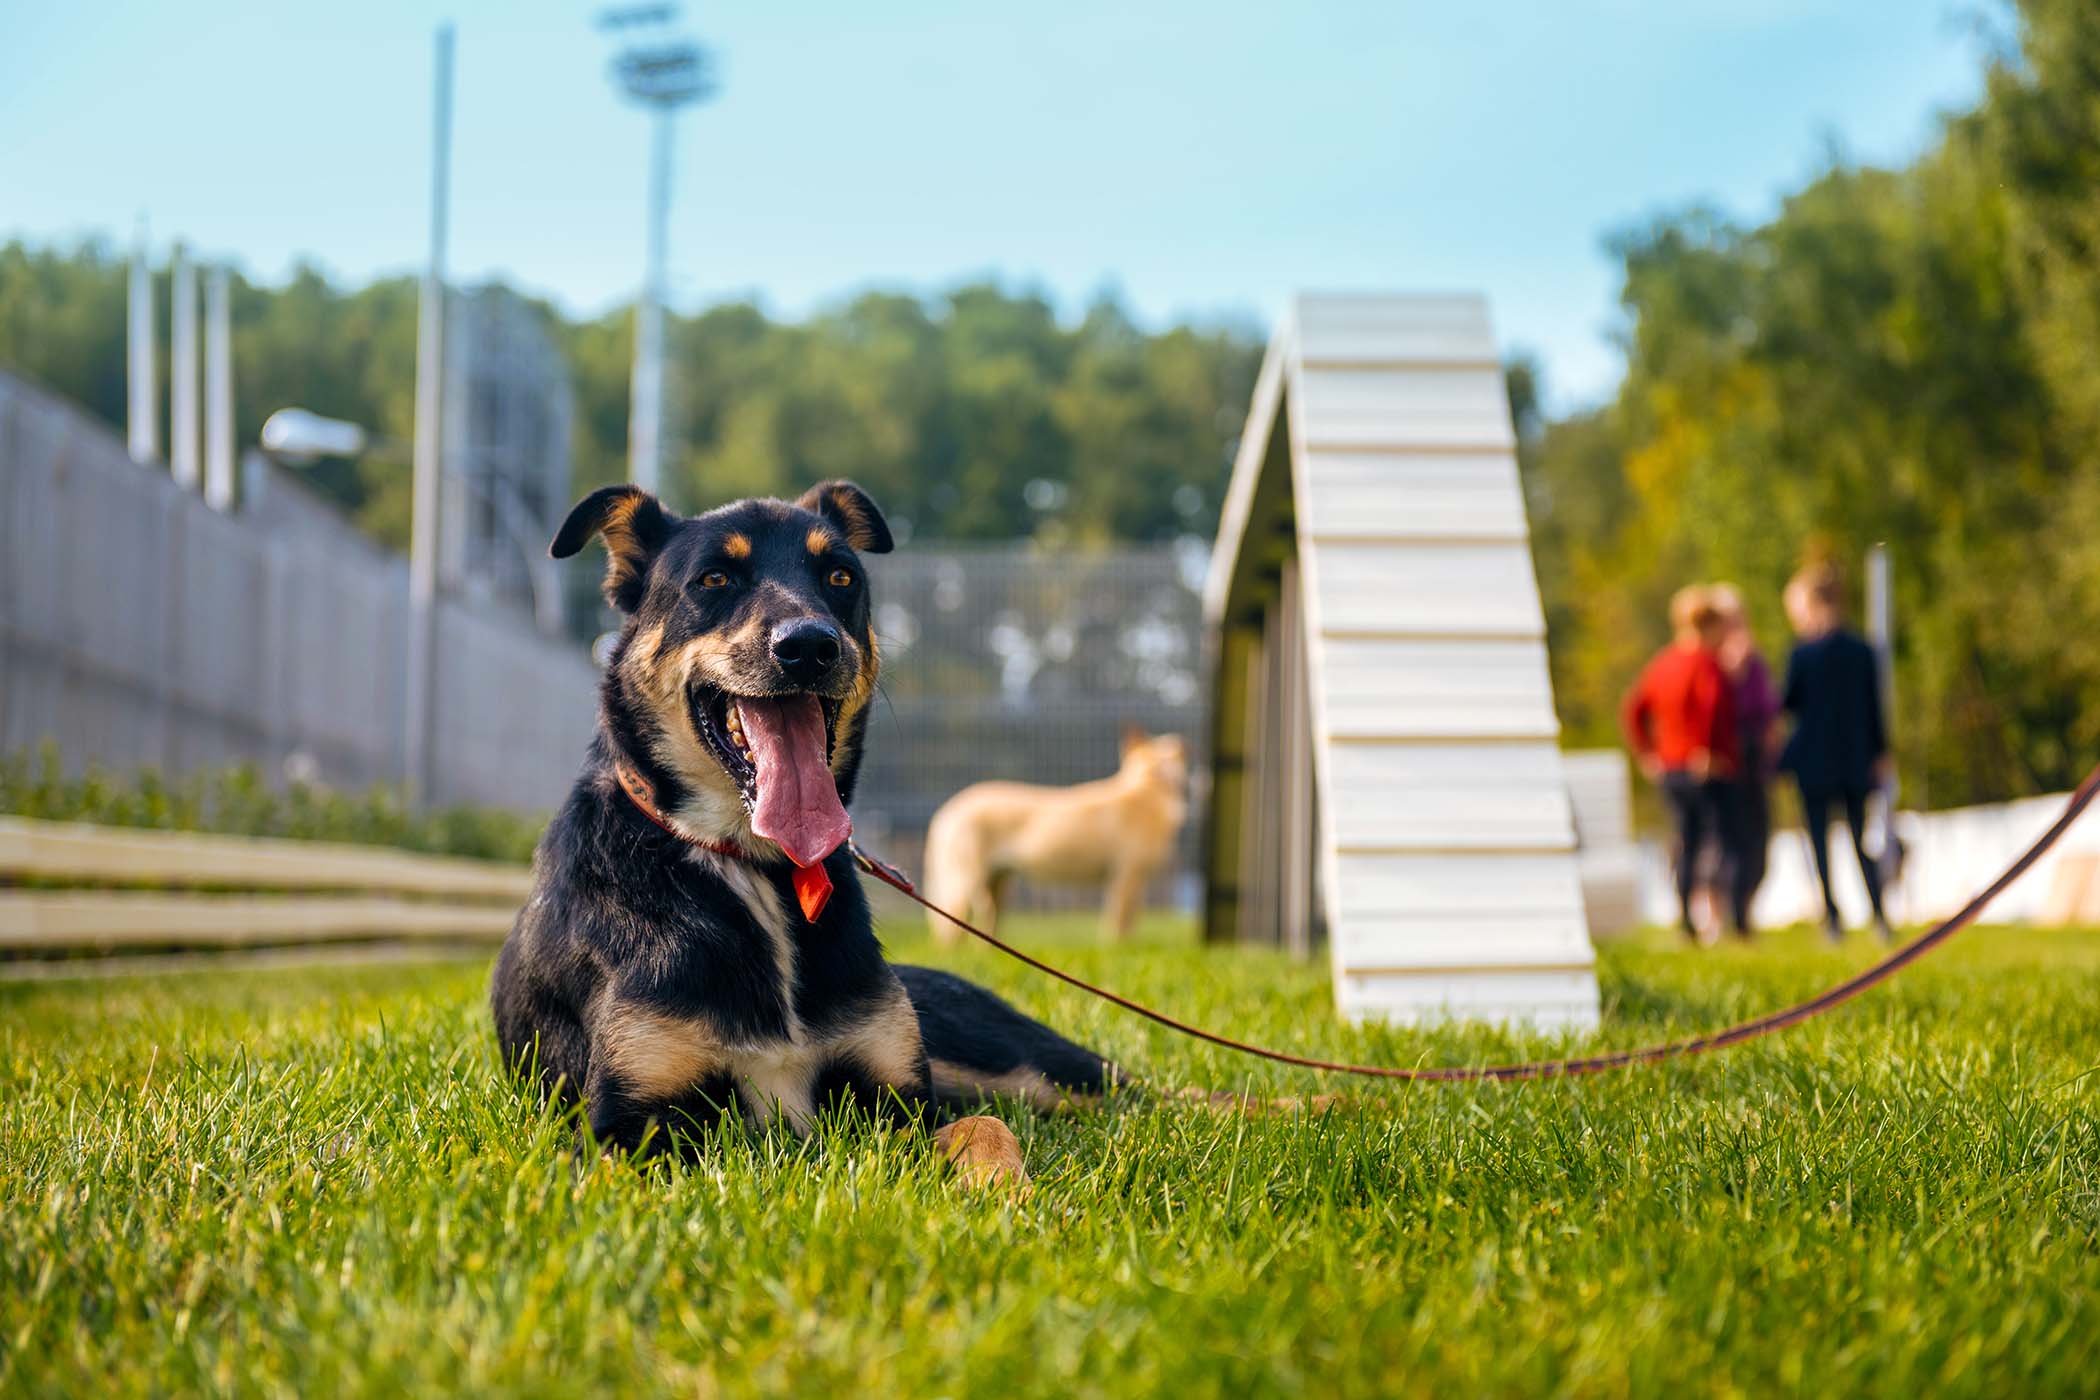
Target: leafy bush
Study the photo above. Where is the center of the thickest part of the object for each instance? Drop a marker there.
(238, 802)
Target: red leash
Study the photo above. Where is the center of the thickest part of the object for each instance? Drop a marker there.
(1590, 1064)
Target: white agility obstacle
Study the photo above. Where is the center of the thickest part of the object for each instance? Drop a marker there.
(1384, 752)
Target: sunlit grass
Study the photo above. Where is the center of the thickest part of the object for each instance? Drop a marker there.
(317, 1182)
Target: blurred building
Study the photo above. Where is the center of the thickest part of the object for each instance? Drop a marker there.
(508, 406)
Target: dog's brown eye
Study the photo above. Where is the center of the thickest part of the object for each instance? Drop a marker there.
(714, 578)
(842, 578)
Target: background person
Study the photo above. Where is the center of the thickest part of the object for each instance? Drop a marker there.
(1746, 797)
(1839, 747)
(1679, 720)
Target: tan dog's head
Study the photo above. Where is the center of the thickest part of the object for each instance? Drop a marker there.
(743, 670)
(1155, 760)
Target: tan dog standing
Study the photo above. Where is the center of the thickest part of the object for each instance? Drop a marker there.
(1117, 831)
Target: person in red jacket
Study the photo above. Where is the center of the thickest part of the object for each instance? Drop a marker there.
(1680, 723)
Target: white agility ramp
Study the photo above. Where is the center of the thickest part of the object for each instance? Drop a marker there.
(1384, 753)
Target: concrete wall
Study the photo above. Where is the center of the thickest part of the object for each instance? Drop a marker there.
(138, 627)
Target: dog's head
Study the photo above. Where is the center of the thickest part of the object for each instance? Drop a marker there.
(1157, 760)
(744, 667)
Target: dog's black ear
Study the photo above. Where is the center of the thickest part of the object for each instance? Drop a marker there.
(635, 526)
(848, 508)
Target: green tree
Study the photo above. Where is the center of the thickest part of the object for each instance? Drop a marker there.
(1899, 356)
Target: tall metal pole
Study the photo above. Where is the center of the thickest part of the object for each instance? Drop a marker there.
(143, 391)
(646, 406)
(218, 390)
(421, 679)
(184, 455)
(662, 72)
(1881, 631)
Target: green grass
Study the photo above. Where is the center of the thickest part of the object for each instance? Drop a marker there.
(317, 1183)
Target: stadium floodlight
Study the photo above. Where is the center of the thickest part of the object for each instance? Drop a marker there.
(668, 75)
(633, 16)
(299, 436)
(661, 72)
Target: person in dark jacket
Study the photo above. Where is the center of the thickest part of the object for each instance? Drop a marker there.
(1839, 748)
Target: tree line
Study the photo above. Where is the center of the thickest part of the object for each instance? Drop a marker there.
(973, 414)
(1905, 356)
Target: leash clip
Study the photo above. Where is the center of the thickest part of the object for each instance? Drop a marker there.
(889, 874)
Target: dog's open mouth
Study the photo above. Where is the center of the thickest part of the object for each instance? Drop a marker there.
(777, 749)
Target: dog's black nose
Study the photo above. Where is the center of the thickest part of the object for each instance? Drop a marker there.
(806, 649)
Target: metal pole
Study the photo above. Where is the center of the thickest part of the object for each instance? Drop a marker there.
(183, 455)
(645, 410)
(1881, 630)
(218, 391)
(421, 681)
(143, 433)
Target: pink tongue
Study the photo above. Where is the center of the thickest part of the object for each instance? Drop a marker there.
(798, 799)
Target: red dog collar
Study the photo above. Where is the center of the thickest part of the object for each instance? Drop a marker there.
(812, 882)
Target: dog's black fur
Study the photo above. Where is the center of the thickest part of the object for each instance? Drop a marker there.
(662, 983)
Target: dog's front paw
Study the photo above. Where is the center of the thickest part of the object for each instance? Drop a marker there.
(986, 1153)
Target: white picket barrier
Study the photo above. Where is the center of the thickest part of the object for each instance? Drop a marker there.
(1950, 856)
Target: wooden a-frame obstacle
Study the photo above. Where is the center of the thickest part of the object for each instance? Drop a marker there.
(1384, 753)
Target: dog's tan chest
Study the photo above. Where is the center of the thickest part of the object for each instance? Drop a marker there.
(661, 1057)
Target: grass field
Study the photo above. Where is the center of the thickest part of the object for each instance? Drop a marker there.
(316, 1183)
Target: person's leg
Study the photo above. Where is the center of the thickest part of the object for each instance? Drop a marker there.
(1757, 836)
(1682, 792)
(1815, 821)
(1869, 868)
(1707, 899)
(1737, 832)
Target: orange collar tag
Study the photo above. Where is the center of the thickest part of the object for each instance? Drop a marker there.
(812, 889)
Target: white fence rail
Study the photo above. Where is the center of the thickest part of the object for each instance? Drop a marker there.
(1951, 855)
(73, 887)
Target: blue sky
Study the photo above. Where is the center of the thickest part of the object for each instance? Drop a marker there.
(1202, 158)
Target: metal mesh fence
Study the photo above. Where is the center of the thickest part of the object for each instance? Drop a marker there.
(1009, 663)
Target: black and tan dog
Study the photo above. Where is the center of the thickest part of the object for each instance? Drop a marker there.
(697, 941)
